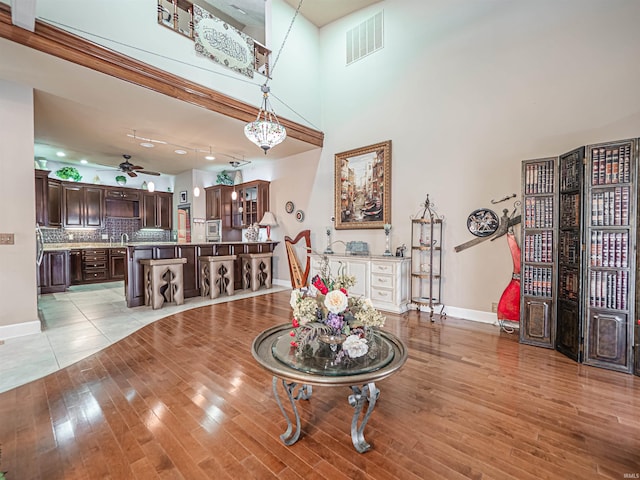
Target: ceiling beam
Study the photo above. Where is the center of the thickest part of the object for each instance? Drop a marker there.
(75, 49)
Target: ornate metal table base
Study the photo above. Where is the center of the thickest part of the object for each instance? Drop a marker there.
(368, 393)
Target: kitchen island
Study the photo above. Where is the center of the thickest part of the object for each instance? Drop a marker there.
(134, 273)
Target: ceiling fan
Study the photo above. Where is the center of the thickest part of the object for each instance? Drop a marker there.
(133, 170)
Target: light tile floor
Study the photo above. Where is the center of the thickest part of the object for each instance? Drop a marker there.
(79, 323)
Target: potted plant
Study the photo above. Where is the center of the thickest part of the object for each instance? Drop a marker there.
(67, 173)
(121, 180)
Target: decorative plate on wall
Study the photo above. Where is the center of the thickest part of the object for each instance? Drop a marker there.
(289, 206)
(483, 222)
(300, 216)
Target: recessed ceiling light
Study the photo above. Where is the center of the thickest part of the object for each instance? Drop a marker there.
(210, 157)
(61, 154)
(83, 161)
(181, 152)
(147, 145)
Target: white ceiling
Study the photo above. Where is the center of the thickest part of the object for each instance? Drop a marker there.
(94, 116)
(322, 12)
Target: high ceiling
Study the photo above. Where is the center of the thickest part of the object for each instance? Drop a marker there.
(322, 12)
(99, 118)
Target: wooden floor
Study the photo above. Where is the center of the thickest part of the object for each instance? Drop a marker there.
(184, 399)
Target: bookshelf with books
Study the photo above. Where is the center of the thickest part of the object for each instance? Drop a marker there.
(539, 267)
(609, 238)
(569, 316)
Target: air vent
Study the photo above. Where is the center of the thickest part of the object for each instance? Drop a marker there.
(365, 38)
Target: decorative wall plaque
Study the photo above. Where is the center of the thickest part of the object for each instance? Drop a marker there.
(222, 43)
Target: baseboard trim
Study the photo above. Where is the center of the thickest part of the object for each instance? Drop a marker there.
(19, 329)
(463, 313)
(473, 315)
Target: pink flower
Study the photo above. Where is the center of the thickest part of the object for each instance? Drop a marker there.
(292, 333)
(344, 290)
(294, 344)
(295, 323)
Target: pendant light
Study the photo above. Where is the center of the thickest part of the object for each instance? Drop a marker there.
(266, 131)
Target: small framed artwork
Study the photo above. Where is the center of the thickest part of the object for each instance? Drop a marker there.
(289, 207)
(363, 187)
(183, 196)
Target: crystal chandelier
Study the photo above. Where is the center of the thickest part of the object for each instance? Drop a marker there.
(265, 131)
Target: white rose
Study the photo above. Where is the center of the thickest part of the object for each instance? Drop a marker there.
(336, 301)
(355, 346)
(295, 295)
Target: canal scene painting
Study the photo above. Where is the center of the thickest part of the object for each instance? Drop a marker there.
(363, 187)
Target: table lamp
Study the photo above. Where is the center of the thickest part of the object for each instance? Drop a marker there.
(268, 220)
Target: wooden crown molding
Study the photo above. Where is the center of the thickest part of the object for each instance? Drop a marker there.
(67, 46)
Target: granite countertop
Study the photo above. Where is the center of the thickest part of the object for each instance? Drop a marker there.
(50, 247)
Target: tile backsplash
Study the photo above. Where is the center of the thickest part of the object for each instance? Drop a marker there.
(113, 228)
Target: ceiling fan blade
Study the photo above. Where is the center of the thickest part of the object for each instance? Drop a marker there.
(136, 167)
(146, 172)
(132, 174)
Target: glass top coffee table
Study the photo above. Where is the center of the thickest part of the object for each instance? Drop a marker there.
(297, 374)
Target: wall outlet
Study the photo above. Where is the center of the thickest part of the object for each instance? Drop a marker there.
(71, 236)
(494, 307)
(7, 239)
(105, 236)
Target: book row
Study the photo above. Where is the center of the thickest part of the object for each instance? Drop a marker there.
(610, 207)
(538, 212)
(539, 247)
(608, 289)
(609, 249)
(539, 178)
(611, 165)
(537, 281)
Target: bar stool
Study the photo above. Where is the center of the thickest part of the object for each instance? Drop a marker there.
(256, 270)
(163, 281)
(216, 275)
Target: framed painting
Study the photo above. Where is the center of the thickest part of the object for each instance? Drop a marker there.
(363, 187)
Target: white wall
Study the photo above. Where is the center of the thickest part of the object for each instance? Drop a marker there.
(18, 290)
(466, 90)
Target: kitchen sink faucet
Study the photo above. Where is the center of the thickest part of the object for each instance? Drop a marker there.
(122, 239)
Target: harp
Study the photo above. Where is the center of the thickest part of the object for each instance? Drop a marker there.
(298, 277)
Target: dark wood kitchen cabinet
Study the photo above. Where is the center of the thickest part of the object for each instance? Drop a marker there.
(54, 272)
(252, 202)
(75, 267)
(41, 178)
(82, 206)
(95, 265)
(157, 210)
(218, 204)
(117, 263)
(54, 203)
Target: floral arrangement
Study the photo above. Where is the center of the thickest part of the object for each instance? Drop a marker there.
(325, 311)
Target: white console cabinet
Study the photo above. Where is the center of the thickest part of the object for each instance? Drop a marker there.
(385, 280)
